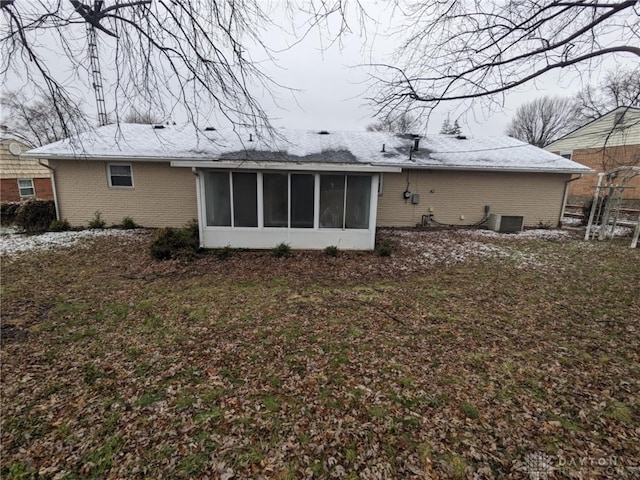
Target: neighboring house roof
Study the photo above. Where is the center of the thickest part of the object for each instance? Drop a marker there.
(186, 146)
(619, 127)
(12, 165)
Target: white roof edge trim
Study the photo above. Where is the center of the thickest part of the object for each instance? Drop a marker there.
(319, 167)
(497, 169)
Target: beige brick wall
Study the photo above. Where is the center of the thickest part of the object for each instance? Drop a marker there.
(162, 196)
(451, 194)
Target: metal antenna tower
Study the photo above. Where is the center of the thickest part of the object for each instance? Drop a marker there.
(96, 75)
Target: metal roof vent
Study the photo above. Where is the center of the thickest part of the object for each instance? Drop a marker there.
(461, 137)
(323, 132)
(210, 129)
(158, 127)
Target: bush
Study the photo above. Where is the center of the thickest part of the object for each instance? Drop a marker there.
(384, 248)
(128, 224)
(59, 226)
(331, 250)
(282, 250)
(225, 252)
(35, 216)
(8, 213)
(175, 242)
(97, 221)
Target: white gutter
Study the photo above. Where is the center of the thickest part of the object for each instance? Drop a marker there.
(53, 185)
(315, 167)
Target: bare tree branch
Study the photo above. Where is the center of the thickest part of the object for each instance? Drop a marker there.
(471, 50)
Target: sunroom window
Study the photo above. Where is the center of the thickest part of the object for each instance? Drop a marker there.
(245, 200)
(287, 200)
(302, 200)
(276, 199)
(217, 193)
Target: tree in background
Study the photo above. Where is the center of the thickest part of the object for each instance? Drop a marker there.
(468, 50)
(544, 120)
(43, 120)
(209, 56)
(402, 123)
(620, 88)
(450, 129)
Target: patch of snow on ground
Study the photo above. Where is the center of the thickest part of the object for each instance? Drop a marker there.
(617, 232)
(539, 233)
(18, 243)
(449, 247)
(572, 221)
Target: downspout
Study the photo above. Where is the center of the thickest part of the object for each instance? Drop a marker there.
(194, 170)
(566, 195)
(53, 185)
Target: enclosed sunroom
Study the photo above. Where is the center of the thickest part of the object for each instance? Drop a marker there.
(310, 207)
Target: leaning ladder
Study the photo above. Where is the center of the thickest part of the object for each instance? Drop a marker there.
(96, 75)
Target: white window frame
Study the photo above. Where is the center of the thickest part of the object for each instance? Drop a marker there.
(109, 175)
(568, 154)
(21, 188)
(316, 212)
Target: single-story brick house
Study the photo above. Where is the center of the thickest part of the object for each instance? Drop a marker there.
(21, 178)
(310, 189)
(608, 142)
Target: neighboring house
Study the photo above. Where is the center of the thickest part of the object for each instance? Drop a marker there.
(21, 178)
(611, 141)
(308, 189)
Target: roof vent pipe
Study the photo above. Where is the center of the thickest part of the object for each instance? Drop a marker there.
(383, 150)
(251, 137)
(461, 137)
(210, 129)
(323, 132)
(158, 127)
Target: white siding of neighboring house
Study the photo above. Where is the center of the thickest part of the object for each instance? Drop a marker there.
(600, 133)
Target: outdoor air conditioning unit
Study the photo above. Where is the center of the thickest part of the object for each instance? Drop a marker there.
(505, 223)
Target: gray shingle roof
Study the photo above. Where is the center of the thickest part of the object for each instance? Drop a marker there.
(135, 142)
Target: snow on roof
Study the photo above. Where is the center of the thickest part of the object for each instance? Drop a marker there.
(136, 142)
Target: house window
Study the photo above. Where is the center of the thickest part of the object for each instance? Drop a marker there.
(120, 175)
(566, 155)
(26, 188)
(282, 200)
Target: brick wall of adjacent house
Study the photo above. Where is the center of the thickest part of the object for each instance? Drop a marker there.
(603, 160)
(162, 196)
(9, 191)
(459, 198)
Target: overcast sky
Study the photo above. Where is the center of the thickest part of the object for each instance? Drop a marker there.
(332, 83)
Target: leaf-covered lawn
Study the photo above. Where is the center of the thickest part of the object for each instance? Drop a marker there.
(460, 356)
